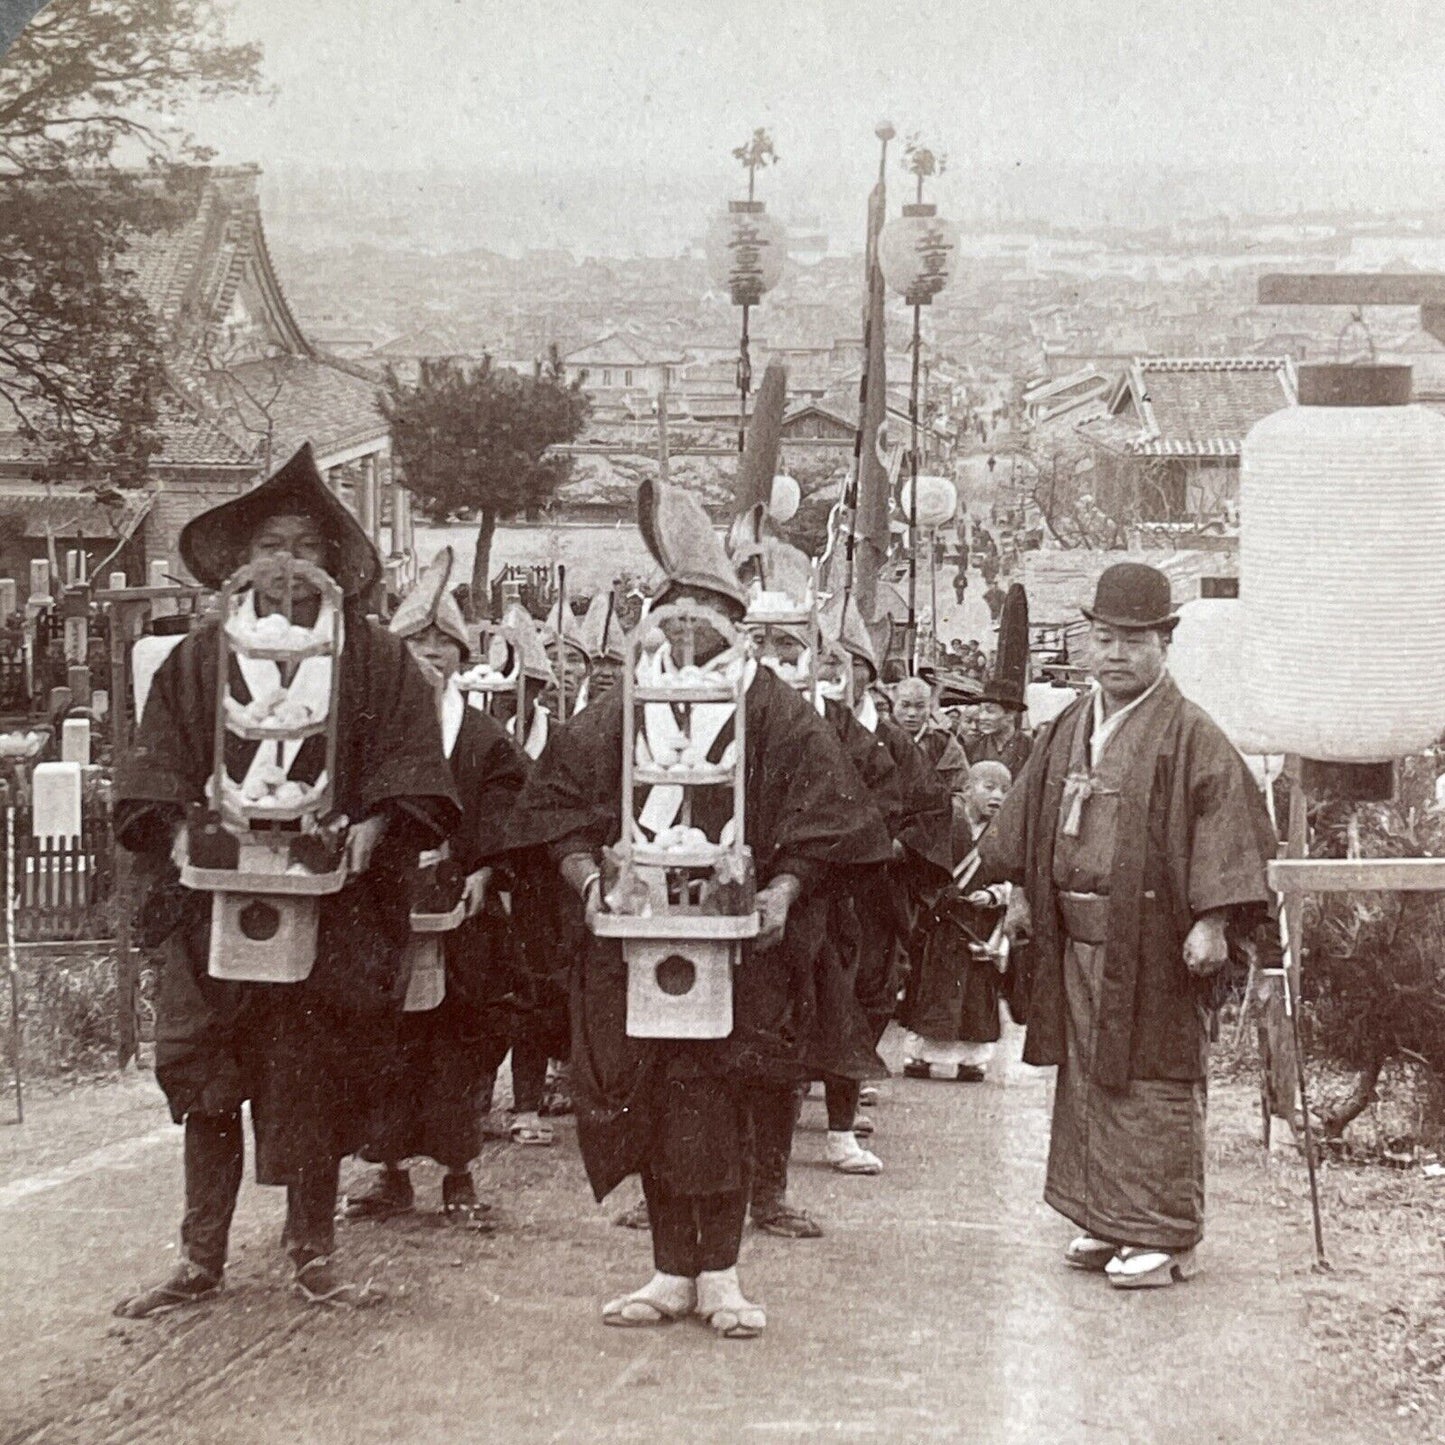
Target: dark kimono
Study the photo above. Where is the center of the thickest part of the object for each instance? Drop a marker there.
(303, 1054)
(428, 1103)
(1012, 751)
(946, 754)
(915, 807)
(1119, 857)
(679, 1107)
(853, 959)
(953, 994)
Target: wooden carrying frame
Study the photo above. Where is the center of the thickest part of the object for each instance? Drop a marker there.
(680, 960)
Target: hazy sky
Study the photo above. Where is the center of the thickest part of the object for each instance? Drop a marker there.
(1353, 89)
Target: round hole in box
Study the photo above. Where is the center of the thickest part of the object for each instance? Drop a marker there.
(676, 975)
(259, 921)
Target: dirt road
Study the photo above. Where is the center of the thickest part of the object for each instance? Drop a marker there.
(935, 1309)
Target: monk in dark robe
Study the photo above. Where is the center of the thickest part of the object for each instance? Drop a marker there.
(677, 1112)
(914, 712)
(914, 804)
(951, 1009)
(429, 1096)
(1139, 837)
(304, 1054)
(997, 733)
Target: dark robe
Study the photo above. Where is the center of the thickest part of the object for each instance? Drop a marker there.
(304, 1054)
(1012, 750)
(953, 995)
(916, 808)
(679, 1107)
(946, 754)
(1119, 859)
(428, 1103)
(853, 960)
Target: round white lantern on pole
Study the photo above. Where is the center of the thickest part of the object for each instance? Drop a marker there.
(785, 499)
(937, 502)
(1342, 532)
(917, 253)
(745, 249)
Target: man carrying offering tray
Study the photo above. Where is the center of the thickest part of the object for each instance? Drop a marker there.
(302, 1053)
(676, 1111)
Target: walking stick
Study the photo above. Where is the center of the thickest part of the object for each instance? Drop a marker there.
(12, 956)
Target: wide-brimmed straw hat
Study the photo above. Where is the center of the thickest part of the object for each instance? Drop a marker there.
(215, 544)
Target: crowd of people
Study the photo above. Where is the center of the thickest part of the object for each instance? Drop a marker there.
(920, 859)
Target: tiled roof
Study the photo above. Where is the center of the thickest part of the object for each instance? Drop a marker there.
(190, 437)
(301, 400)
(63, 511)
(1196, 406)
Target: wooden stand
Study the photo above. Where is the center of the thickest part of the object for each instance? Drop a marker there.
(265, 910)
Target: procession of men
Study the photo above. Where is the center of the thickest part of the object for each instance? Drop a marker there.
(911, 870)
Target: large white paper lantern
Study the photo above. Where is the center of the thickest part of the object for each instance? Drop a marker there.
(937, 502)
(1342, 570)
(745, 248)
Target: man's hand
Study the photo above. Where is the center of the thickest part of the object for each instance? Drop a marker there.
(1206, 950)
(580, 873)
(180, 845)
(474, 895)
(1018, 921)
(361, 843)
(774, 901)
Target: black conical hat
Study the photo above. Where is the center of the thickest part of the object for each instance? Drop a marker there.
(214, 544)
(1009, 682)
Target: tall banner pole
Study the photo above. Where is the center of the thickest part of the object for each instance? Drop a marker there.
(868, 484)
(12, 955)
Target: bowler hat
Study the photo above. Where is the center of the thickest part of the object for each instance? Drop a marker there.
(1133, 595)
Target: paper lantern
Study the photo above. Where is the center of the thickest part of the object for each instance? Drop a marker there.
(917, 253)
(1342, 531)
(745, 248)
(786, 497)
(937, 502)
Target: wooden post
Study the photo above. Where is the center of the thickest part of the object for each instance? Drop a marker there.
(1276, 1031)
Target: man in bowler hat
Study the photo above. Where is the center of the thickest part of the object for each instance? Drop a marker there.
(1139, 839)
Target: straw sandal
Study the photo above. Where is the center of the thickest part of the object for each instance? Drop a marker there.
(651, 1305)
(188, 1285)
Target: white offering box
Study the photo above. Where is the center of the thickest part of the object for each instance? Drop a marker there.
(56, 789)
(75, 741)
(100, 704)
(9, 597)
(117, 582)
(40, 578)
